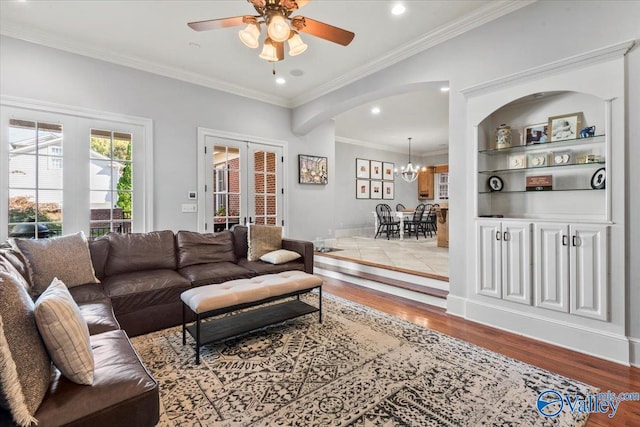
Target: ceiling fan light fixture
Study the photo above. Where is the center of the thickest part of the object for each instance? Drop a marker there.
(250, 35)
(278, 29)
(296, 45)
(269, 51)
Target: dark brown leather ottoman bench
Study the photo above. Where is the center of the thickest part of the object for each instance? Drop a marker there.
(213, 300)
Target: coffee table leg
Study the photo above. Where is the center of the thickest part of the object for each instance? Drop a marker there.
(184, 325)
(320, 304)
(198, 339)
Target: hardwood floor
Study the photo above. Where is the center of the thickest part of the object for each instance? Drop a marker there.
(591, 370)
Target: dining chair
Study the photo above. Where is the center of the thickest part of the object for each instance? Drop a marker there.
(415, 225)
(387, 222)
(400, 207)
(430, 223)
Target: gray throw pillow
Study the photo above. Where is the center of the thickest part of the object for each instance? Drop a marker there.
(25, 368)
(66, 258)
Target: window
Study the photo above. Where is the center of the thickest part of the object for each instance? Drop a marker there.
(226, 187)
(111, 184)
(35, 189)
(443, 186)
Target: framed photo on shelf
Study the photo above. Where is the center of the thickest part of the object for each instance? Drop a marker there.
(517, 161)
(559, 158)
(388, 190)
(565, 127)
(312, 169)
(362, 188)
(362, 169)
(536, 134)
(538, 160)
(376, 169)
(387, 171)
(376, 189)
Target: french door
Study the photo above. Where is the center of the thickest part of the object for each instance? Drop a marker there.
(243, 183)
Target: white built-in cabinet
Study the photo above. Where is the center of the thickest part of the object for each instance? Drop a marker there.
(505, 260)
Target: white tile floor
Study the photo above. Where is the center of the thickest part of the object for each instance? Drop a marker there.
(420, 255)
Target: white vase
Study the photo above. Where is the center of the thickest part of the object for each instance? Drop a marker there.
(503, 136)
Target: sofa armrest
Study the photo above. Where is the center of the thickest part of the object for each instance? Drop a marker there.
(304, 248)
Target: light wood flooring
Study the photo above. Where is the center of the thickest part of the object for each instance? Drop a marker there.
(591, 370)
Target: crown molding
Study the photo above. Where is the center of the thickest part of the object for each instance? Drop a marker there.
(77, 47)
(399, 150)
(488, 13)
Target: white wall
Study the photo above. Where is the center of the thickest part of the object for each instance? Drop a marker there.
(541, 33)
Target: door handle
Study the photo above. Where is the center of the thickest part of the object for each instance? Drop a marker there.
(497, 235)
(574, 240)
(565, 240)
(506, 236)
(244, 220)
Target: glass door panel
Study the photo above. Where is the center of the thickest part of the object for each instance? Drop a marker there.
(226, 186)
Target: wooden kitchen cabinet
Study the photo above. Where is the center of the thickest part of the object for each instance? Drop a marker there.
(425, 183)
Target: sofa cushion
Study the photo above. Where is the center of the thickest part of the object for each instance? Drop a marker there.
(206, 274)
(13, 262)
(65, 333)
(123, 392)
(263, 239)
(260, 267)
(140, 251)
(280, 256)
(202, 248)
(99, 251)
(240, 240)
(25, 368)
(130, 292)
(65, 257)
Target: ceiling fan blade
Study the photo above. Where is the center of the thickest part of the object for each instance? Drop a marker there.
(292, 5)
(214, 24)
(279, 50)
(322, 30)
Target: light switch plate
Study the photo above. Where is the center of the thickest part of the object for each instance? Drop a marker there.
(189, 207)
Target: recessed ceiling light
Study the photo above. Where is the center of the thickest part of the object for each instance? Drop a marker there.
(194, 44)
(281, 80)
(296, 72)
(398, 9)
(444, 89)
(375, 110)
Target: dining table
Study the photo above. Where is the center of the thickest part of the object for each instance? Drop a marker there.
(401, 215)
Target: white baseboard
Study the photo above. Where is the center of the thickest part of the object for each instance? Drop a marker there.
(600, 344)
(456, 305)
(634, 350)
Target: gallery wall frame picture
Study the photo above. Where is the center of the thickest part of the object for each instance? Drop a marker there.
(566, 126)
(387, 171)
(388, 190)
(362, 188)
(363, 170)
(376, 189)
(536, 134)
(312, 169)
(376, 169)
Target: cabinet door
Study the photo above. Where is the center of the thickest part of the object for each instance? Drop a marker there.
(551, 260)
(489, 258)
(589, 270)
(425, 183)
(516, 262)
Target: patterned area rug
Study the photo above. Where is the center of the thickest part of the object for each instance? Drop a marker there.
(359, 367)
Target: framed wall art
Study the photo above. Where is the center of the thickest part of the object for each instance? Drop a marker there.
(376, 189)
(362, 188)
(312, 169)
(362, 169)
(387, 171)
(565, 127)
(376, 169)
(388, 189)
(536, 134)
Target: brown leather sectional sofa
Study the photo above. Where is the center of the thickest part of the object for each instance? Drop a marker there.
(142, 276)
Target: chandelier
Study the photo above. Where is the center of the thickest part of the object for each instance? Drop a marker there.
(278, 31)
(410, 172)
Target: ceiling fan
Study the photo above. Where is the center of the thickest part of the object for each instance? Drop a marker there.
(275, 14)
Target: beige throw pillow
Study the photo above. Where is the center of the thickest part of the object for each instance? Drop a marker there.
(66, 258)
(25, 368)
(65, 333)
(263, 239)
(280, 256)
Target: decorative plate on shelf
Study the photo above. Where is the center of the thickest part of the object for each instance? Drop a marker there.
(598, 179)
(495, 183)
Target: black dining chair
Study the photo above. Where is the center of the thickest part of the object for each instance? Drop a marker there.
(387, 222)
(400, 207)
(415, 225)
(430, 223)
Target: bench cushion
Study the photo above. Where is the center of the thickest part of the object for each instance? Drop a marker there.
(228, 294)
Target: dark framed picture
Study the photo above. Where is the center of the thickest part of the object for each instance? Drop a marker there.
(536, 134)
(376, 189)
(495, 183)
(376, 169)
(312, 169)
(388, 190)
(598, 179)
(387, 171)
(565, 127)
(362, 188)
(362, 169)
